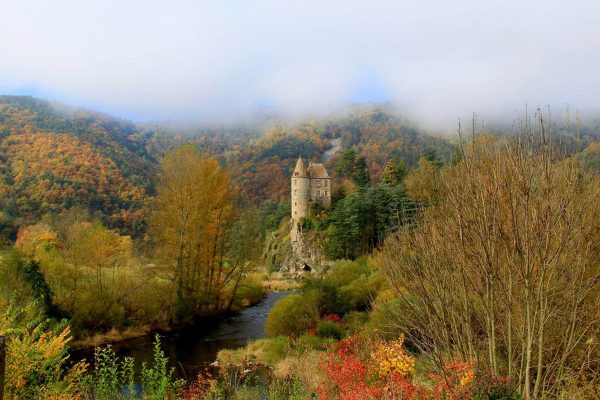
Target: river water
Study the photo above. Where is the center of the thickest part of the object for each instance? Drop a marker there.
(191, 349)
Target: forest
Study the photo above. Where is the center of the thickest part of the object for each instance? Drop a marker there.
(461, 266)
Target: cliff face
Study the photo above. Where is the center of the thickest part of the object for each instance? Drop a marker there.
(293, 252)
(306, 248)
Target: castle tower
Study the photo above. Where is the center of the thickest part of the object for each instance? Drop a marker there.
(309, 184)
(300, 194)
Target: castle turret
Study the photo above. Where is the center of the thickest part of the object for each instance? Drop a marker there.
(300, 195)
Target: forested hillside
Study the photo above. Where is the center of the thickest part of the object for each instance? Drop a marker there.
(262, 164)
(54, 157)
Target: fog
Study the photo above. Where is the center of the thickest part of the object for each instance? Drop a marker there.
(224, 61)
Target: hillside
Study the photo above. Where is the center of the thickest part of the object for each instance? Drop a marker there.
(261, 166)
(54, 157)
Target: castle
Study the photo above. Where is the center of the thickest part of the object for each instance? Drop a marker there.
(309, 184)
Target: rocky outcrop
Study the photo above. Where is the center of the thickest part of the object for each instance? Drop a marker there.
(296, 253)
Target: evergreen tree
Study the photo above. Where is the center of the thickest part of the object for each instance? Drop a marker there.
(361, 173)
(345, 165)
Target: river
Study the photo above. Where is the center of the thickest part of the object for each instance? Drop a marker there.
(191, 349)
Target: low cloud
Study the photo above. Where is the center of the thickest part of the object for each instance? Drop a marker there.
(228, 60)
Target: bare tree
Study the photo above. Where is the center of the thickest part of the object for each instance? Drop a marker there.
(504, 268)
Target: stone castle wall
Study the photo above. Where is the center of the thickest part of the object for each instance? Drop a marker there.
(300, 197)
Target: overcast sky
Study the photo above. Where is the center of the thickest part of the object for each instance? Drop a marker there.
(221, 60)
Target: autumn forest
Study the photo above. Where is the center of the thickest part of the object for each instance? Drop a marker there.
(449, 266)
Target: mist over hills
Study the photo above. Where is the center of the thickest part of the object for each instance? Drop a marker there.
(54, 157)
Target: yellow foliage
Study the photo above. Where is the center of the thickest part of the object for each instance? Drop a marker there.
(36, 360)
(467, 377)
(390, 357)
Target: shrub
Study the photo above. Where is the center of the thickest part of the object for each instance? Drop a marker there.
(384, 308)
(307, 343)
(357, 293)
(275, 349)
(331, 302)
(355, 321)
(97, 315)
(330, 329)
(390, 358)
(36, 359)
(344, 271)
(352, 374)
(286, 389)
(114, 378)
(293, 314)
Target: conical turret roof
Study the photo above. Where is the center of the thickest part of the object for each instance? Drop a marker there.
(300, 169)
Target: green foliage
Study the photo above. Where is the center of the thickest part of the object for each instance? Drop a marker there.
(361, 174)
(350, 166)
(307, 343)
(384, 308)
(111, 375)
(317, 217)
(23, 280)
(115, 379)
(344, 272)
(344, 168)
(276, 349)
(293, 314)
(330, 300)
(432, 156)
(355, 321)
(360, 221)
(93, 313)
(348, 285)
(589, 158)
(157, 381)
(358, 293)
(13, 285)
(290, 389)
(330, 329)
(270, 215)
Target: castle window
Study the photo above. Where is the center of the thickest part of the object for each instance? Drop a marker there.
(318, 192)
(326, 193)
(326, 183)
(318, 183)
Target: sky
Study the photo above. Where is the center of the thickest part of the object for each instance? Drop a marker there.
(229, 60)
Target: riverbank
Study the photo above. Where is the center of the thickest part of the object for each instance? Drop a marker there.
(272, 283)
(110, 337)
(191, 348)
